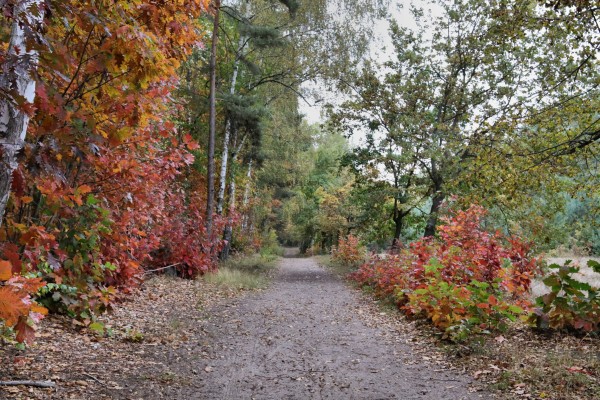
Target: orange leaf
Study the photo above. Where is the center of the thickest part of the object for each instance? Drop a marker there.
(29, 285)
(11, 306)
(26, 199)
(5, 270)
(492, 300)
(39, 309)
(190, 143)
(83, 189)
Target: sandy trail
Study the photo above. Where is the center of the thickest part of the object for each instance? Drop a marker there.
(303, 339)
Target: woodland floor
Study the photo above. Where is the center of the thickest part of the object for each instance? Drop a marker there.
(308, 336)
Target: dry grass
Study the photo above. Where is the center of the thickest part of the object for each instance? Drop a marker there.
(338, 269)
(245, 273)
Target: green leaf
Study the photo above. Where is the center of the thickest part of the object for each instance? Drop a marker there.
(91, 200)
(553, 281)
(480, 285)
(515, 309)
(578, 284)
(594, 265)
(97, 327)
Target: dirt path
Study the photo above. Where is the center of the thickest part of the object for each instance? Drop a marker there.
(304, 339)
(308, 336)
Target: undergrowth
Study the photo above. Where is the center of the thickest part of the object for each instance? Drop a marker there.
(470, 284)
(467, 281)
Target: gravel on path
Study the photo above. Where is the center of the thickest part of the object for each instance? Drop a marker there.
(303, 339)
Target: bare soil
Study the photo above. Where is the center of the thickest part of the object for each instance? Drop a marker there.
(308, 336)
(305, 339)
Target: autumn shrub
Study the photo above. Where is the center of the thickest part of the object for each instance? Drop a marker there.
(106, 186)
(348, 252)
(19, 312)
(94, 244)
(570, 304)
(460, 309)
(466, 280)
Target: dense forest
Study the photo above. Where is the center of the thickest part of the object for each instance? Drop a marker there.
(152, 135)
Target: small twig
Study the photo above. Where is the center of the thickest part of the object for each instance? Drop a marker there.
(444, 380)
(160, 269)
(42, 384)
(94, 378)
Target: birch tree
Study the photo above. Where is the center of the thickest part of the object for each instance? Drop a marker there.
(210, 175)
(17, 88)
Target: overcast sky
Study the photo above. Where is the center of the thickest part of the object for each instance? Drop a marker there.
(381, 50)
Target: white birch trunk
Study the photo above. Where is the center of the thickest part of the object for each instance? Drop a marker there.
(247, 196)
(226, 139)
(228, 234)
(228, 126)
(17, 78)
(248, 183)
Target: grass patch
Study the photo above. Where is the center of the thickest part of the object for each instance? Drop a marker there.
(245, 273)
(339, 269)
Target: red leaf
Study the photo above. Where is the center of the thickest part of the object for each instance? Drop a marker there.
(18, 182)
(190, 143)
(25, 333)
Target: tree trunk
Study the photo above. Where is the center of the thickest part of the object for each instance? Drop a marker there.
(210, 175)
(430, 228)
(398, 225)
(228, 233)
(16, 78)
(228, 129)
(247, 196)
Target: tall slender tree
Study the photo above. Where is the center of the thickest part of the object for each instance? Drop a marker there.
(212, 124)
(17, 88)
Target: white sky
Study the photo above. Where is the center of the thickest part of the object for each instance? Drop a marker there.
(381, 51)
